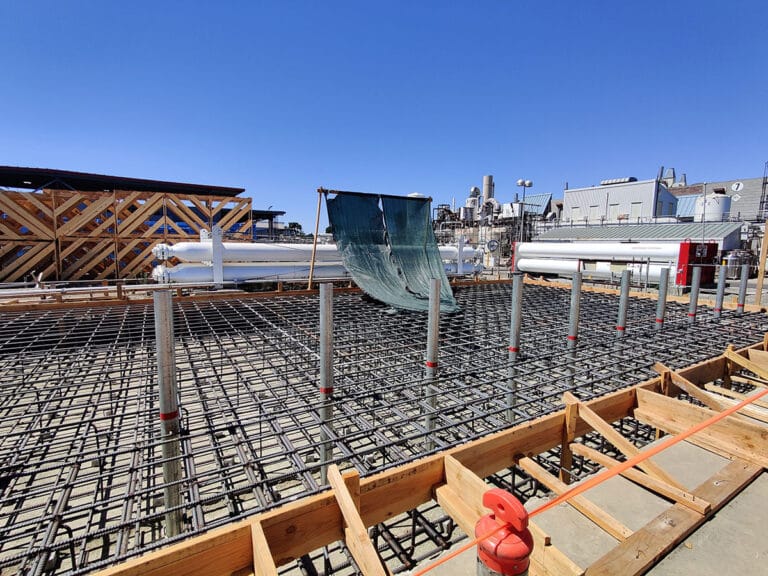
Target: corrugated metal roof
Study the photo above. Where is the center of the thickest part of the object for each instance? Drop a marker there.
(537, 203)
(693, 230)
(38, 178)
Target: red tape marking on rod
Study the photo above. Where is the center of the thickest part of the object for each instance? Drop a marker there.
(169, 415)
(326, 390)
(514, 349)
(431, 364)
(621, 328)
(572, 337)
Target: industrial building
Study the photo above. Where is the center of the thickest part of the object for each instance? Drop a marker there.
(619, 200)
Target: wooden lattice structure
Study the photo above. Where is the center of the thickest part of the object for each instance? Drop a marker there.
(84, 235)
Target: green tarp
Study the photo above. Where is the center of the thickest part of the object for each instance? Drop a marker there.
(388, 246)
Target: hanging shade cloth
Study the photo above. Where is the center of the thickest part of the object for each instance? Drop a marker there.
(388, 247)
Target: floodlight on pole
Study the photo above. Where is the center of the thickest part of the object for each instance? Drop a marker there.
(523, 184)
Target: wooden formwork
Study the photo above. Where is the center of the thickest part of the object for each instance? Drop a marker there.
(455, 479)
(72, 235)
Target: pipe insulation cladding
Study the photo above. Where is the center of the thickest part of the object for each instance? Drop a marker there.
(267, 272)
(247, 252)
(651, 272)
(600, 250)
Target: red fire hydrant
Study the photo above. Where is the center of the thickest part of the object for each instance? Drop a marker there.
(508, 550)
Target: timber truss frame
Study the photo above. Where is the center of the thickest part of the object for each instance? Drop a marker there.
(697, 403)
(81, 235)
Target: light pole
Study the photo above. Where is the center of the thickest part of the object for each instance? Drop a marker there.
(525, 184)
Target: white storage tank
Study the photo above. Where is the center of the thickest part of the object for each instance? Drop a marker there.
(712, 207)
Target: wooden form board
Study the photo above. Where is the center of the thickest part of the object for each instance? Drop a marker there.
(455, 479)
(72, 235)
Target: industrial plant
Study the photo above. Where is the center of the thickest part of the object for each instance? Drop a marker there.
(514, 384)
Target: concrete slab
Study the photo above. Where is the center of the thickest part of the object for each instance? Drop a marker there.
(584, 542)
(731, 542)
(465, 564)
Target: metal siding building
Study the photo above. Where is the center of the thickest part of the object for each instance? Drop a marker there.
(745, 196)
(639, 201)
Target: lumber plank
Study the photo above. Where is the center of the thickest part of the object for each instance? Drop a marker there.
(702, 396)
(387, 494)
(758, 357)
(662, 488)
(263, 565)
(569, 435)
(747, 413)
(218, 553)
(730, 437)
(758, 369)
(747, 379)
(735, 395)
(689, 387)
(649, 544)
(355, 532)
(466, 483)
(462, 513)
(625, 446)
(579, 502)
(547, 559)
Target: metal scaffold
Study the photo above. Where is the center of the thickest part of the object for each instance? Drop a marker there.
(81, 450)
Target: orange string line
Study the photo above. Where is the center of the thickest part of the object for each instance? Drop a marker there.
(606, 474)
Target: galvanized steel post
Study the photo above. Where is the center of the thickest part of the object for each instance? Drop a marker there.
(720, 291)
(514, 341)
(430, 362)
(661, 302)
(326, 378)
(621, 321)
(742, 289)
(573, 324)
(693, 301)
(169, 410)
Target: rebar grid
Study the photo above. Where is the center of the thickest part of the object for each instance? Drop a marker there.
(80, 459)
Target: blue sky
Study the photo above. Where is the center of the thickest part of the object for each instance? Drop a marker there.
(395, 97)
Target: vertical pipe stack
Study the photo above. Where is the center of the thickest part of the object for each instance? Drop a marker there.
(720, 291)
(621, 321)
(430, 362)
(573, 324)
(326, 377)
(742, 289)
(169, 410)
(661, 303)
(514, 341)
(693, 301)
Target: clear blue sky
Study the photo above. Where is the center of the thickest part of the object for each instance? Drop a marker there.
(395, 97)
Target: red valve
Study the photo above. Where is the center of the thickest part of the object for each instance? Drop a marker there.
(507, 551)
